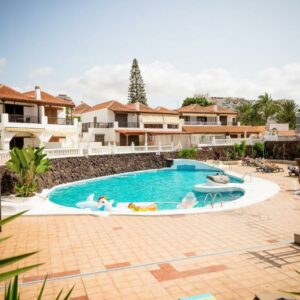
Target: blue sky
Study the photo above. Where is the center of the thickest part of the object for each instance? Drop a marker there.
(84, 48)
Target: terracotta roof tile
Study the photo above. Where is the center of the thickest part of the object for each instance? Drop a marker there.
(290, 133)
(49, 99)
(81, 108)
(211, 109)
(223, 129)
(112, 105)
(7, 93)
(166, 110)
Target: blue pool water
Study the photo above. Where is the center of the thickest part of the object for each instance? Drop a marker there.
(166, 187)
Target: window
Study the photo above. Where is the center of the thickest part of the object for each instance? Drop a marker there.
(153, 125)
(99, 138)
(172, 126)
(187, 118)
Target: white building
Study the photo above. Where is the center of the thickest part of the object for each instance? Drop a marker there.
(114, 122)
(35, 118)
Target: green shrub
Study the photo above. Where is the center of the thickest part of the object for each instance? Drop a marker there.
(258, 150)
(27, 164)
(239, 150)
(189, 153)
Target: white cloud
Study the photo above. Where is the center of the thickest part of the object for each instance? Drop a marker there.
(3, 62)
(41, 72)
(167, 85)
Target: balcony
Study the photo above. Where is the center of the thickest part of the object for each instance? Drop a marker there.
(86, 126)
(128, 124)
(23, 119)
(222, 123)
(60, 121)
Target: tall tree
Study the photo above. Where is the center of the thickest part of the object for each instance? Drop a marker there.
(266, 107)
(196, 100)
(287, 112)
(136, 90)
(248, 114)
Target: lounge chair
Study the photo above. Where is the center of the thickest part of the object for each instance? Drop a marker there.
(275, 167)
(294, 171)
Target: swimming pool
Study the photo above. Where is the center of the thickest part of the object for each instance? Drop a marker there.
(166, 187)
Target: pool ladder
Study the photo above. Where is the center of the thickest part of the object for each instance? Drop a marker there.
(213, 197)
(247, 174)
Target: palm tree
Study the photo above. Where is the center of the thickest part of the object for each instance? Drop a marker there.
(266, 107)
(248, 114)
(287, 112)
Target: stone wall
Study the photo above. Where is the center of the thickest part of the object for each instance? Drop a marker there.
(71, 169)
(282, 150)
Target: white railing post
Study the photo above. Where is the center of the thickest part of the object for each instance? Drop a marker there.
(132, 147)
(115, 148)
(146, 147)
(159, 146)
(90, 150)
(109, 148)
(179, 146)
(172, 146)
(80, 151)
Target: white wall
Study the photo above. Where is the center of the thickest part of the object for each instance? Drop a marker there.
(103, 116)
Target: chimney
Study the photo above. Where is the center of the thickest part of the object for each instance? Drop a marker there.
(215, 108)
(137, 105)
(37, 93)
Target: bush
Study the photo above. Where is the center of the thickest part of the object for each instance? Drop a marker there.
(258, 150)
(27, 164)
(239, 150)
(189, 153)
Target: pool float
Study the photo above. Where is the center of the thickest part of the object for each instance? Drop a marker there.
(104, 204)
(142, 207)
(217, 179)
(189, 201)
(90, 203)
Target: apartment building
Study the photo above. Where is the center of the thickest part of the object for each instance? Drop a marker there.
(112, 121)
(35, 118)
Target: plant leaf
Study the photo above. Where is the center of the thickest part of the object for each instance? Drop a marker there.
(58, 296)
(10, 260)
(5, 238)
(69, 293)
(11, 218)
(42, 289)
(9, 274)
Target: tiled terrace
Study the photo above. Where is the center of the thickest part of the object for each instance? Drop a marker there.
(232, 254)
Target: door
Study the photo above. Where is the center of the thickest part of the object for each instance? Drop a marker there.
(16, 141)
(51, 113)
(131, 138)
(15, 112)
(223, 120)
(99, 138)
(122, 119)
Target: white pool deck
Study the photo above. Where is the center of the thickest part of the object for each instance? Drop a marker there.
(255, 190)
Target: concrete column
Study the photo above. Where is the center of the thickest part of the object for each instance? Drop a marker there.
(6, 138)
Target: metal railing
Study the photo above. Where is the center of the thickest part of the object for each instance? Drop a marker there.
(109, 149)
(204, 123)
(128, 124)
(60, 121)
(229, 142)
(86, 126)
(22, 118)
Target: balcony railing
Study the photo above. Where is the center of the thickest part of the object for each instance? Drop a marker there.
(200, 123)
(129, 124)
(22, 119)
(86, 126)
(222, 123)
(60, 121)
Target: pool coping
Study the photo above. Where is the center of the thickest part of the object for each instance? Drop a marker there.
(41, 205)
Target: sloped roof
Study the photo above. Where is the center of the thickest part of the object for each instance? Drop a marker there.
(211, 109)
(112, 105)
(81, 108)
(289, 133)
(223, 129)
(142, 108)
(164, 110)
(47, 98)
(7, 93)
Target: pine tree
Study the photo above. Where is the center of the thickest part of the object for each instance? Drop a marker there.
(136, 90)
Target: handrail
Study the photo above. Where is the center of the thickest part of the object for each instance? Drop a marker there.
(213, 197)
(249, 174)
